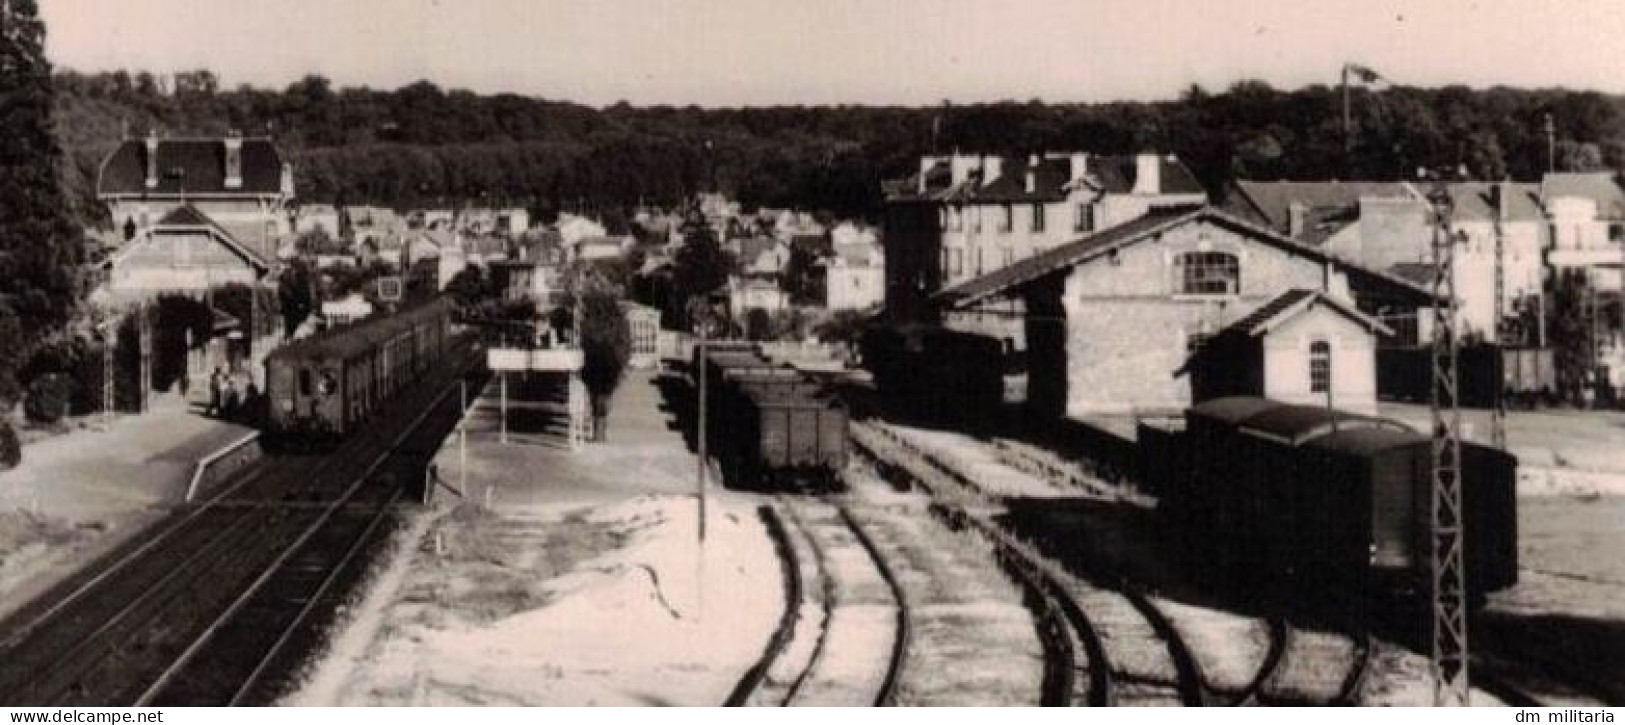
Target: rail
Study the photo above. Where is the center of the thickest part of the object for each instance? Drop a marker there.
(782, 634)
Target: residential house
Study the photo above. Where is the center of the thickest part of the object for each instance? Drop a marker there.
(1390, 226)
(855, 276)
(241, 185)
(573, 229)
(964, 216)
(1111, 318)
(323, 218)
(1587, 216)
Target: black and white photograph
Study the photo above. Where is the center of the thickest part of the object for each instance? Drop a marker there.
(890, 353)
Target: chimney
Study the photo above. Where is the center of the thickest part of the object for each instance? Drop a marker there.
(926, 162)
(992, 168)
(1080, 166)
(152, 159)
(959, 167)
(234, 160)
(1032, 173)
(1147, 174)
(1295, 213)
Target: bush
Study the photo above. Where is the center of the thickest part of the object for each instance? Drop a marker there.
(48, 398)
(11, 449)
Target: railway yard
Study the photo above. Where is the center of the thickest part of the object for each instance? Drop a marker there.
(942, 568)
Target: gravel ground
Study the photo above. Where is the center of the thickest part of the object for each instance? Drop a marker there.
(1229, 648)
(974, 642)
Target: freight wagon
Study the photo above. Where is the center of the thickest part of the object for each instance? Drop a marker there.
(1526, 375)
(771, 427)
(936, 373)
(1300, 504)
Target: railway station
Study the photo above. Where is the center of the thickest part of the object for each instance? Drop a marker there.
(712, 368)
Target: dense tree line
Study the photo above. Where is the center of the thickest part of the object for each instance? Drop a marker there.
(421, 144)
(41, 250)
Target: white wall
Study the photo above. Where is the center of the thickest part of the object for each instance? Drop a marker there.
(1354, 362)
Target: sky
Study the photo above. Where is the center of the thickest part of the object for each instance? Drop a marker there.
(815, 52)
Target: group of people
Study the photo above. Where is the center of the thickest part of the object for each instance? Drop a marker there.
(226, 402)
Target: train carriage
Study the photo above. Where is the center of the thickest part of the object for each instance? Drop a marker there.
(323, 387)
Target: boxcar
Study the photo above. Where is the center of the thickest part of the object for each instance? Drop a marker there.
(771, 426)
(323, 387)
(1300, 501)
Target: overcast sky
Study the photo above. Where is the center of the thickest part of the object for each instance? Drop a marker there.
(756, 52)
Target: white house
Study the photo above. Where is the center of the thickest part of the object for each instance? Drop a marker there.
(855, 278)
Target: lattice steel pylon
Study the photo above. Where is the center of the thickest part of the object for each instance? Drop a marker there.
(1449, 574)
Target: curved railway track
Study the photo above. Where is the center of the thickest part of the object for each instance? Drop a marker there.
(165, 620)
(1139, 659)
(848, 607)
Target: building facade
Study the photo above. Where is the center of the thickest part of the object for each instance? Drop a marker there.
(963, 216)
(1111, 319)
(242, 185)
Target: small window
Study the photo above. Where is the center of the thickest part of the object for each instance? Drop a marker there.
(1208, 273)
(956, 217)
(304, 381)
(1320, 367)
(1038, 217)
(1085, 221)
(1007, 218)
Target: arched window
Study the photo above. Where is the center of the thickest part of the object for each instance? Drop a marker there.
(1320, 366)
(1208, 273)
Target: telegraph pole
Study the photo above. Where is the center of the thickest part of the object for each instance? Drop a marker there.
(1498, 420)
(1449, 575)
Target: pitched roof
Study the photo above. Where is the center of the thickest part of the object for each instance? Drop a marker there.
(1292, 303)
(1602, 187)
(1006, 279)
(191, 166)
(1476, 200)
(1271, 314)
(1064, 256)
(187, 217)
(1270, 202)
(1113, 174)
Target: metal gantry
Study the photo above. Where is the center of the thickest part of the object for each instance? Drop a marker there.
(1449, 575)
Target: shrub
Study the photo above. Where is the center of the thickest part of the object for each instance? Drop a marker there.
(11, 449)
(48, 398)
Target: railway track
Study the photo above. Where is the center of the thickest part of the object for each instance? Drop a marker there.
(1134, 655)
(1285, 681)
(165, 620)
(853, 643)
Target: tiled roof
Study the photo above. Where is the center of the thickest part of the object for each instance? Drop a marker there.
(193, 166)
(1112, 174)
(1006, 279)
(1270, 202)
(1601, 186)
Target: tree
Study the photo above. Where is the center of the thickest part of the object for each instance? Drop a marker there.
(296, 297)
(1568, 329)
(41, 249)
(701, 266)
(606, 347)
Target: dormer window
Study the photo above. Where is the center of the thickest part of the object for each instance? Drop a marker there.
(234, 163)
(1208, 273)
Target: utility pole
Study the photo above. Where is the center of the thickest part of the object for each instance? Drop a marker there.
(1551, 144)
(1449, 574)
(700, 427)
(1498, 421)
